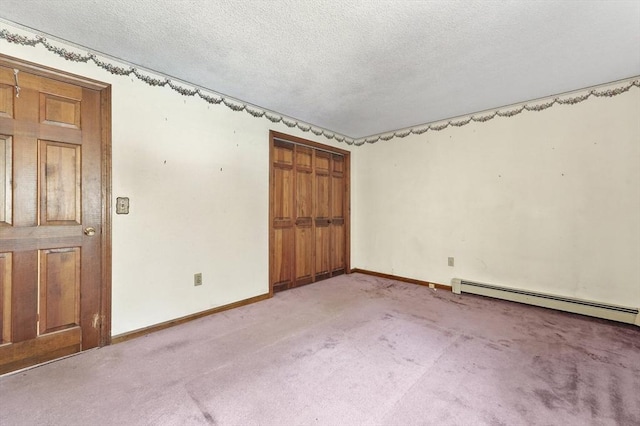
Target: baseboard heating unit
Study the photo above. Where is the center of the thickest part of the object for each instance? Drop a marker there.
(568, 304)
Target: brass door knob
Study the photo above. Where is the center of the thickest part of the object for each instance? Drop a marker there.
(90, 231)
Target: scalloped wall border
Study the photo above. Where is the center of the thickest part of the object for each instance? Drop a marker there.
(212, 97)
(534, 106)
(183, 88)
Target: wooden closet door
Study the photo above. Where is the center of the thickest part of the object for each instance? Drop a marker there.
(304, 246)
(338, 207)
(322, 219)
(50, 220)
(282, 251)
(308, 214)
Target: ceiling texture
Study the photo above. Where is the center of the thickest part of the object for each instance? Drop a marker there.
(358, 67)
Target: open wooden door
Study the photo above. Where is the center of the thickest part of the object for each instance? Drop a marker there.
(54, 217)
(309, 212)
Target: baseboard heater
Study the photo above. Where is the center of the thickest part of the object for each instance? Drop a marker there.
(578, 306)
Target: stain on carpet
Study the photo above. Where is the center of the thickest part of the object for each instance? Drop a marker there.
(170, 347)
(330, 343)
(620, 413)
(304, 354)
(547, 397)
(390, 344)
(207, 416)
(591, 399)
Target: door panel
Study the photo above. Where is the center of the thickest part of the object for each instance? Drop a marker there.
(48, 346)
(323, 250)
(323, 185)
(59, 111)
(24, 306)
(323, 161)
(304, 183)
(304, 255)
(51, 189)
(337, 188)
(6, 198)
(5, 297)
(337, 252)
(59, 289)
(60, 178)
(6, 100)
(282, 267)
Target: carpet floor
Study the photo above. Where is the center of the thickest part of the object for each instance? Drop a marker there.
(352, 350)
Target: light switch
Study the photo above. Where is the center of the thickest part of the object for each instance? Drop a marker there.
(122, 205)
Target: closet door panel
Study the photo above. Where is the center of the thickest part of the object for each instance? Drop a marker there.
(323, 251)
(337, 215)
(283, 216)
(283, 259)
(323, 215)
(304, 216)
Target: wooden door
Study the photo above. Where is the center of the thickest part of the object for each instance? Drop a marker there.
(309, 201)
(51, 216)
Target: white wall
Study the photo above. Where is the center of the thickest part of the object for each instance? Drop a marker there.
(197, 176)
(548, 201)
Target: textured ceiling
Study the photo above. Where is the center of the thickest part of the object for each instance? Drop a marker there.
(359, 67)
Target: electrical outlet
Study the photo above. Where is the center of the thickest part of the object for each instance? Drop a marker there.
(450, 261)
(432, 285)
(197, 279)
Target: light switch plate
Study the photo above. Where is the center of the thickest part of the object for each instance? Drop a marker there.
(122, 205)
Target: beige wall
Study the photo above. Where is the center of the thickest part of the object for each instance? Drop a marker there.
(197, 176)
(546, 201)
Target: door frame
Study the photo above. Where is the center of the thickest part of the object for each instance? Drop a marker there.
(106, 170)
(347, 179)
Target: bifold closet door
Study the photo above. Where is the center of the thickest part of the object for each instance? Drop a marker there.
(330, 215)
(308, 202)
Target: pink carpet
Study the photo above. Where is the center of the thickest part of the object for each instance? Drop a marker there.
(353, 350)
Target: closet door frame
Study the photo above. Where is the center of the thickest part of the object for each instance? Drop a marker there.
(273, 136)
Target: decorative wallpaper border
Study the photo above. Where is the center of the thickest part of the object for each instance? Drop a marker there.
(535, 106)
(185, 89)
(236, 105)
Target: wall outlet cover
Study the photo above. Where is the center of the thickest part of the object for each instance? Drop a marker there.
(122, 205)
